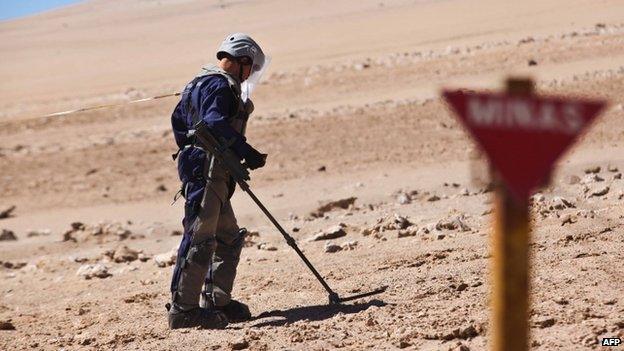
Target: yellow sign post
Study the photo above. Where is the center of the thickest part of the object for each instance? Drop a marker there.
(523, 135)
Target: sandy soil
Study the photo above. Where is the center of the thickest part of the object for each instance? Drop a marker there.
(350, 108)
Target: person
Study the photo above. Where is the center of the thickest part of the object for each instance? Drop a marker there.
(212, 241)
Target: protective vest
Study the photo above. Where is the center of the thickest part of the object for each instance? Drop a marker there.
(238, 120)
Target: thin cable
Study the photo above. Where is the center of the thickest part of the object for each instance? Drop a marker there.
(68, 112)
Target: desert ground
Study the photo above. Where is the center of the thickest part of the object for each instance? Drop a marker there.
(360, 145)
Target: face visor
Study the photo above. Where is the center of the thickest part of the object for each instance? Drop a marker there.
(257, 70)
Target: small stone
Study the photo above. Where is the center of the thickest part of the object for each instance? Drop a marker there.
(617, 176)
(330, 233)
(401, 222)
(266, 247)
(321, 169)
(404, 233)
(566, 219)
(404, 199)
(592, 170)
(7, 212)
(433, 198)
(167, 258)
(612, 168)
(370, 322)
(366, 231)
(532, 62)
(545, 323)
(6, 325)
(349, 245)
(161, 187)
(176, 233)
(240, 344)
(464, 192)
(403, 344)
(125, 254)
(462, 287)
(7, 235)
(143, 257)
(599, 192)
(560, 203)
(97, 270)
(331, 248)
(440, 236)
(41, 232)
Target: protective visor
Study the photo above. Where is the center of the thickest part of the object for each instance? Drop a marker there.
(250, 83)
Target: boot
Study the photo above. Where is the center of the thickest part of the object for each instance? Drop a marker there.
(196, 317)
(235, 311)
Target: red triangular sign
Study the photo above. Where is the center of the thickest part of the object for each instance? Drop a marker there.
(523, 136)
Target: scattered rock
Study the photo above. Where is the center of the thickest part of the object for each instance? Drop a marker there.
(599, 192)
(560, 203)
(161, 187)
(334, 232)
(100, 232)
(567, 219)
(124, 254)
(266, 247)
(11, 265)
(331, 247)
(532, 62)
(591, 178)
(433, 198)
(144, 257)
(592, 170)
(97, 270)
(411, 231)
(617, 176)
(462, 287)
(6, 325)
(349, 245)
(330, 206)
(404, 199)
(464, 192)
(7, 212)
(40, 232)
(460, 347)
(249, 238)
(457, 222)
(239, 344)
(545, 323)
(7, 235)
(176, 233)
(167, 258)
(399, 222)
(612, 168)
(321, 169)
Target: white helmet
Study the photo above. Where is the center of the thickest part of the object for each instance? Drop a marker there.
(240, 45)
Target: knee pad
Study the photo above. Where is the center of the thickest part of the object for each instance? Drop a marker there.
(201, 253)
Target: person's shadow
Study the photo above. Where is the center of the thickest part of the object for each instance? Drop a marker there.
(311, 313)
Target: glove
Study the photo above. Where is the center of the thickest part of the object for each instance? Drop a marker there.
(254, 159)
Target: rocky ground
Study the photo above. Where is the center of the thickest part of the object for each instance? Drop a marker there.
(378, 184)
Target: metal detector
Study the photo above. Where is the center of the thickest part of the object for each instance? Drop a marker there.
(239, 172)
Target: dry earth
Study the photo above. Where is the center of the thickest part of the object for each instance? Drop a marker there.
(350, 108)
